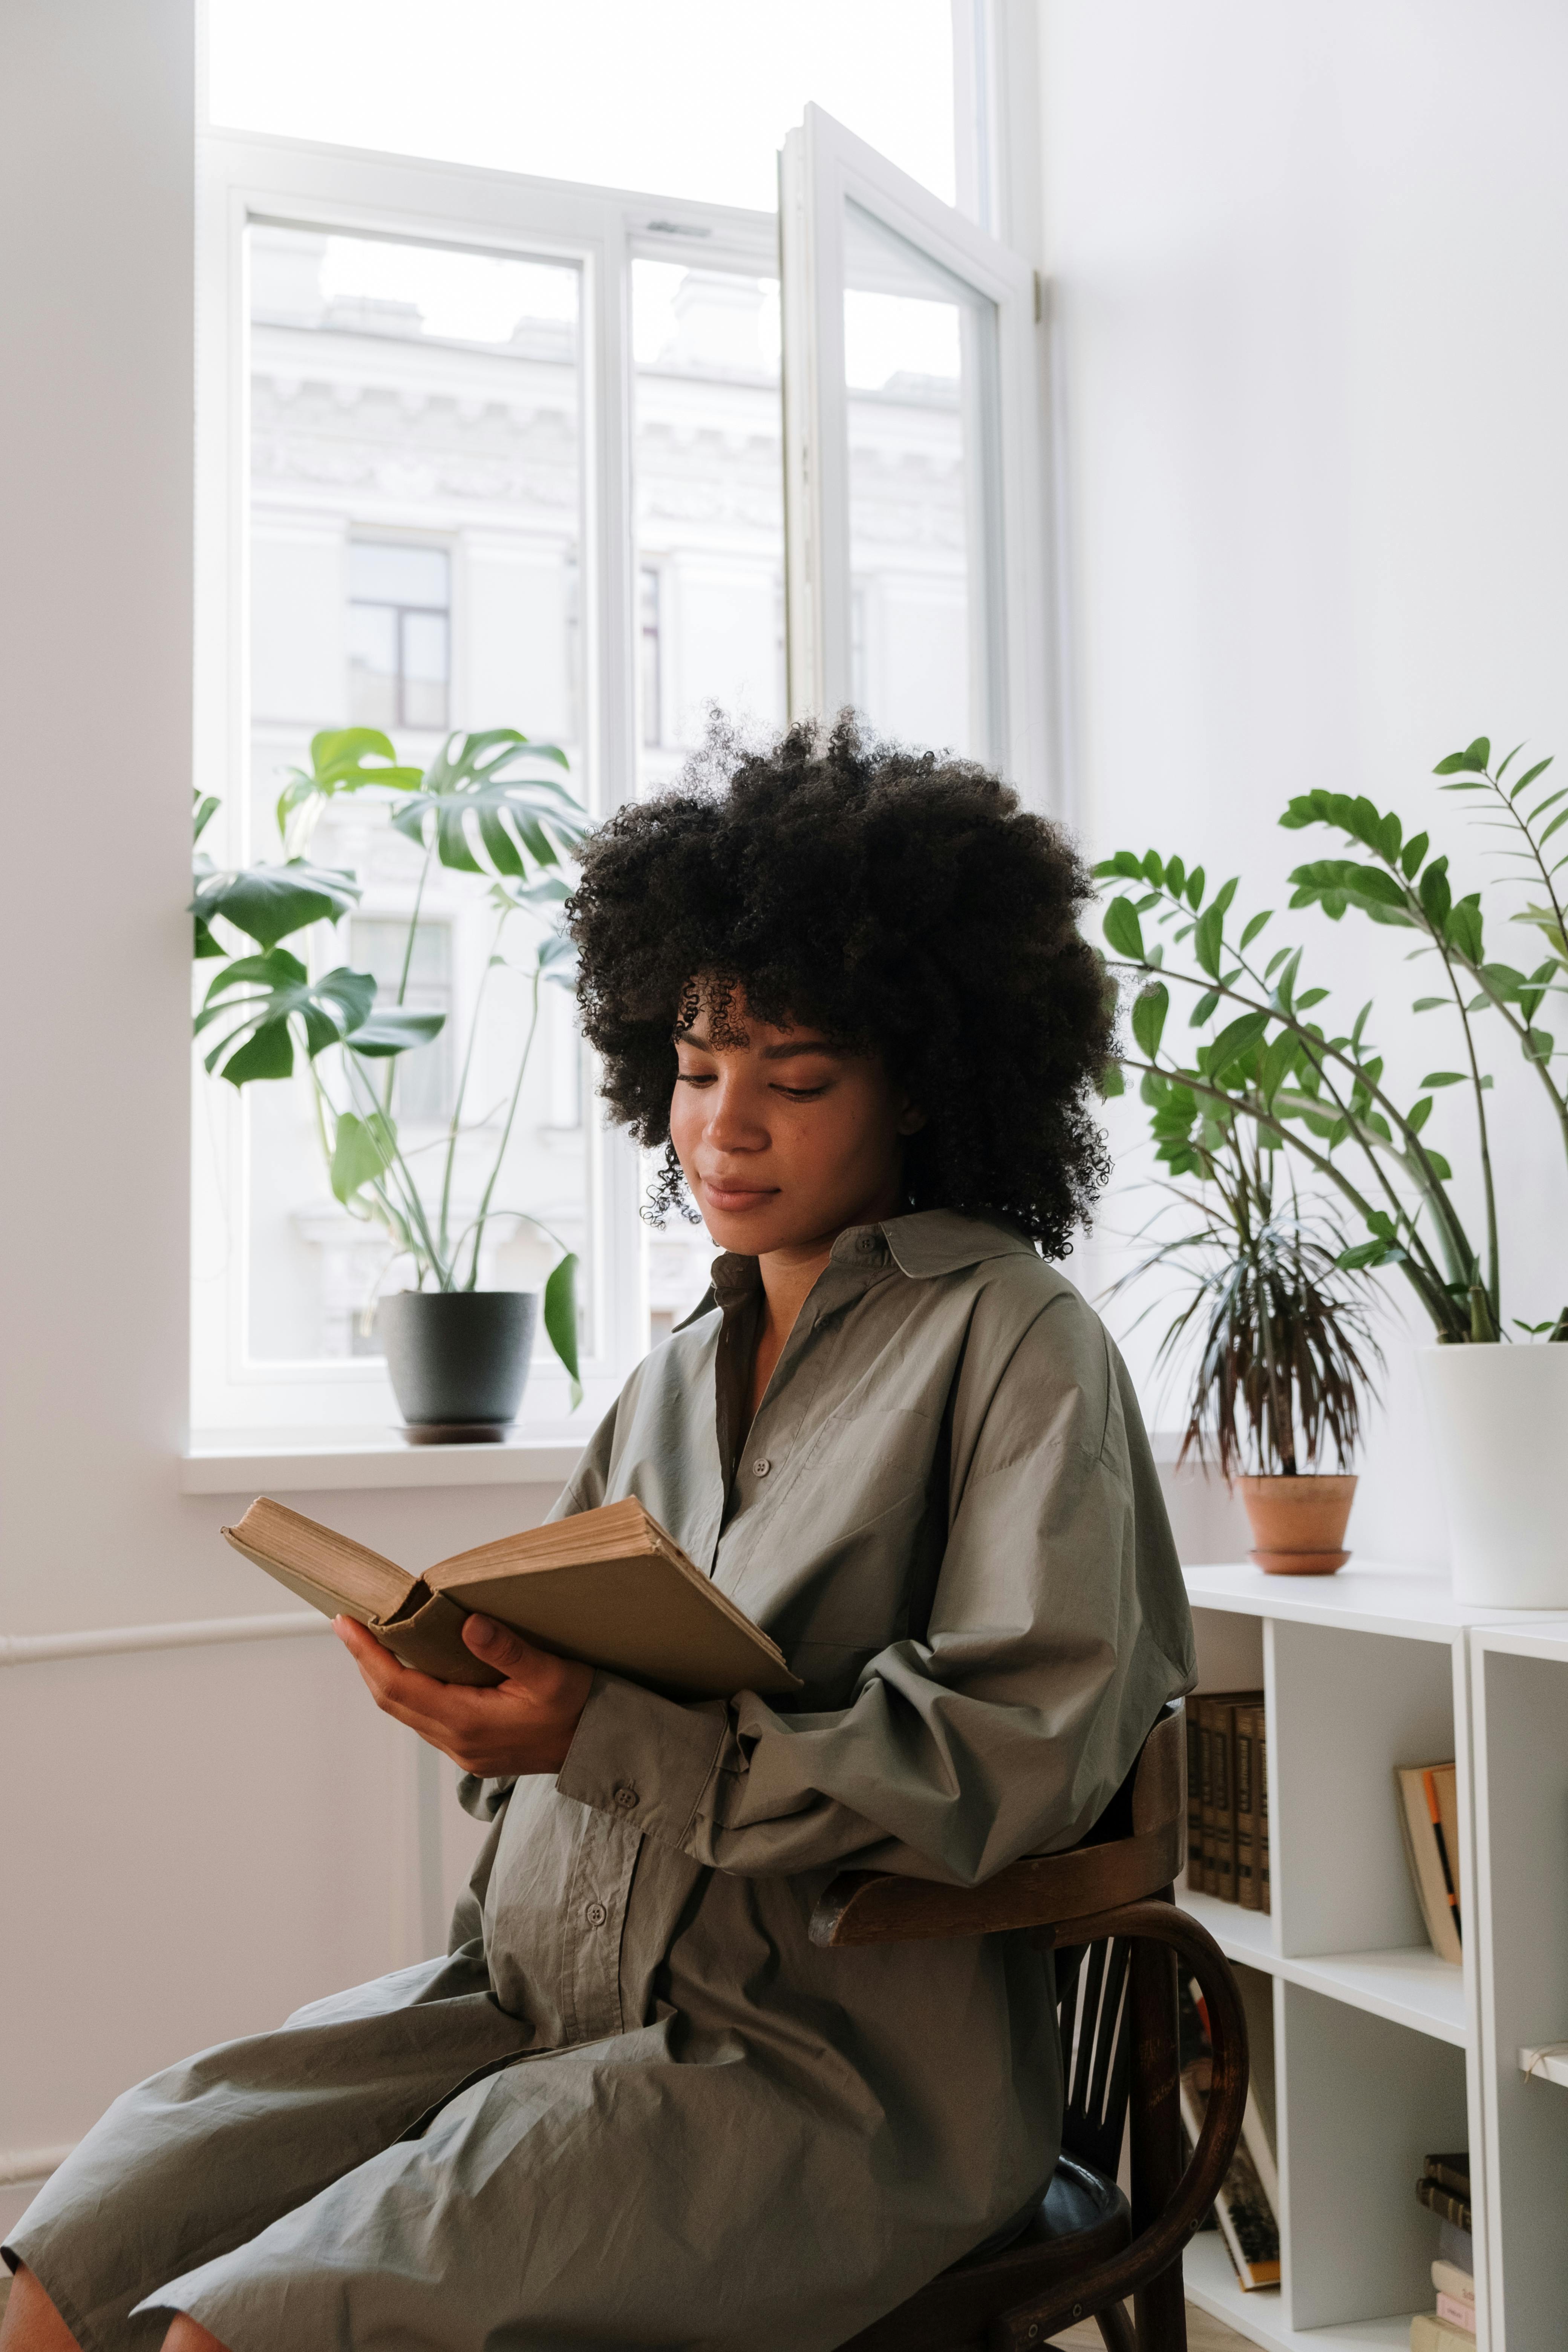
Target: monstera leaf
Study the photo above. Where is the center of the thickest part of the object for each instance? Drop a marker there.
(471, 800)
(267, 902)
(343, 759)
(271, 1001)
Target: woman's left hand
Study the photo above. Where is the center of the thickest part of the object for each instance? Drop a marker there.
(521, 1724)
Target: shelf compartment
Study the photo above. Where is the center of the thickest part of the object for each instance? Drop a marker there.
(1357, 2245)
(1537, 2066)
(1211, 2283)
(1409, 1986)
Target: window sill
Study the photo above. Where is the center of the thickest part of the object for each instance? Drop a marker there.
(236, 1462)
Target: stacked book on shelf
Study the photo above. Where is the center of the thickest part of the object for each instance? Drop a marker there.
(1228, 1798)
(1444, 2188)
(1428, 1799)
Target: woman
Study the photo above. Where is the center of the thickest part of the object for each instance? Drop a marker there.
(634, 2105)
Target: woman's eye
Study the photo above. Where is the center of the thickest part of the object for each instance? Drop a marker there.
(694, 1077)
(802, 1094)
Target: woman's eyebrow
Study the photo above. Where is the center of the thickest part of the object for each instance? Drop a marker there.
(800, 1046)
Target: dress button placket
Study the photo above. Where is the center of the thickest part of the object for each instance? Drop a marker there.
(596, 1914)
(761, 1468)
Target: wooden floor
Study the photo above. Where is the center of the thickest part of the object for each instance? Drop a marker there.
(1204, 2335)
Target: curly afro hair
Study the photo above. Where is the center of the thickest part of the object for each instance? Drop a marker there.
(892, 900)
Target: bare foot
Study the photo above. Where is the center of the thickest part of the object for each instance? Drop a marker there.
(31, 2323)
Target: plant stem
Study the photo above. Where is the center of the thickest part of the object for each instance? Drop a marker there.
(463, 1081)
(483, 1212)
(408, 959)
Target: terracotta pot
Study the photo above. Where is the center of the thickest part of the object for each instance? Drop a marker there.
(1299, 1524)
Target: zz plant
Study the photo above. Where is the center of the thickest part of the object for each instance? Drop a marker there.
(1262, 1061)
(480, 809)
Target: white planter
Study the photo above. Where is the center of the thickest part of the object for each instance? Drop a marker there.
(1499, 1421)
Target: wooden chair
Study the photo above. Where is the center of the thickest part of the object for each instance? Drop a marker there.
(1107, 1910)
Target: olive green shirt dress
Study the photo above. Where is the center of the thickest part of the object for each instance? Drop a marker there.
(634, 2105)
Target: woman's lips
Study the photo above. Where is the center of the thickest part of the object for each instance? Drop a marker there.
(736, 1196)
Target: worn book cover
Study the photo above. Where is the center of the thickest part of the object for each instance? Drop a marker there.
(608, 1587)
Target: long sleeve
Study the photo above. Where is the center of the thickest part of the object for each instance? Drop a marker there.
(1058, 1629)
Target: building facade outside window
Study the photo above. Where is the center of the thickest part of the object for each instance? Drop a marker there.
(400, 623)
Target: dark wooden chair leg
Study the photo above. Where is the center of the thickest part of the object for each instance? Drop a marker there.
(1159, 2308)
(1116, 2328)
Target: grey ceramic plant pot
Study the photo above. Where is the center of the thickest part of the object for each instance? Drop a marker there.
(459, 1361)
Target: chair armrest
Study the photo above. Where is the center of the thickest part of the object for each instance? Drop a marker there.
(873, 1907)
(1030, 2326)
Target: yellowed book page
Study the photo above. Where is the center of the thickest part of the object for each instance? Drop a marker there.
(330, 1571)
(640, 1617)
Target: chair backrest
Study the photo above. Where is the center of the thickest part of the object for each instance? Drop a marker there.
(1093, 2007)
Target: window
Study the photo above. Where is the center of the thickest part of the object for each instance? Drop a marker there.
(517, 457)
(400, 603)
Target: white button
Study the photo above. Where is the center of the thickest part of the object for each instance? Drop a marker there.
(759, 1468)
(625, 1798)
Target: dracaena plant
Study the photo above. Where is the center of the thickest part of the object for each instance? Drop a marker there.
(480, 808)
(1285, 1353)
(1261, 1059)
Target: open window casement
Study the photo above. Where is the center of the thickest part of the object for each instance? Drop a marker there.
(915, 571)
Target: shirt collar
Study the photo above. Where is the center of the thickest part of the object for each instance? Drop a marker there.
(928, 1243)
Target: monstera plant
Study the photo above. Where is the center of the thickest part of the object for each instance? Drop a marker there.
(481, 808)
(1261, 1052)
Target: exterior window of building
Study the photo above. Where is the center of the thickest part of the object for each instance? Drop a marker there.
(649, 698)
(400, 601)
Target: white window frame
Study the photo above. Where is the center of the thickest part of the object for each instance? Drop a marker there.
(248, 177)
(823, 167)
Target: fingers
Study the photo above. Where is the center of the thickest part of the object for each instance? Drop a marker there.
(500, 1647)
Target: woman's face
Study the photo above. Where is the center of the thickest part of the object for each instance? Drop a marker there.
(785, 1139)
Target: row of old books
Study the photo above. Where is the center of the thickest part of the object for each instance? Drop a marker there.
(1228, 1798)
(1444, 2188)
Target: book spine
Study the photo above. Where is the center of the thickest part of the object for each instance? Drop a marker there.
(1457, 2314)
(1194, 1799)
(1262, 1808)
(1224, 1802)
(1245, 1810)
(1450, 2172)
(1207, 1716)
(1441, 2201)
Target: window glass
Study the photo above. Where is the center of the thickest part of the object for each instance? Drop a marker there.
(416, 540)
(693, 102)
(708, 459)
(920, 370)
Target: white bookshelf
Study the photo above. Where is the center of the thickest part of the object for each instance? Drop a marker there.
(1520, 1733)
(1382, 2052)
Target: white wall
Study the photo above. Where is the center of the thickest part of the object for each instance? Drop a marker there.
(198, 1838)
(1312, 342)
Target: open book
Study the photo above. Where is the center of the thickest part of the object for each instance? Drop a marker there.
(608, 1587)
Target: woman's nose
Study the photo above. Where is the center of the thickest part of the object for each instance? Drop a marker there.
(734, 1124)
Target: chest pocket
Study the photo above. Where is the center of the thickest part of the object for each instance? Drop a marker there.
(855, 1534)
